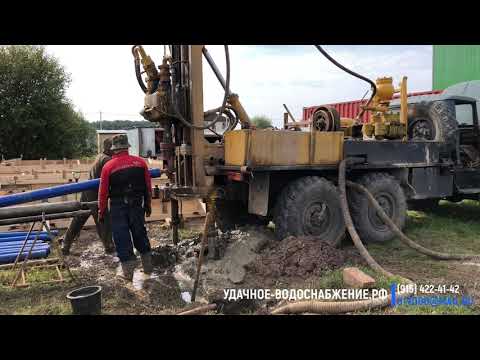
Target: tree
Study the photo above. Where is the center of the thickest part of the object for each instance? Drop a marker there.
(261, 122)
(123, 124)
(36, 118)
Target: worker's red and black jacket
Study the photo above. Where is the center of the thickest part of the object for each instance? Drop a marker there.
(123, 176)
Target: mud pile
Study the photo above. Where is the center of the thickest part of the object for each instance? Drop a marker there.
(297, 257)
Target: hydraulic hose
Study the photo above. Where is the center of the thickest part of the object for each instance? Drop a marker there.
(405, 239)
(179, 116)
(337, 64)
(348, 218)
(138, 73)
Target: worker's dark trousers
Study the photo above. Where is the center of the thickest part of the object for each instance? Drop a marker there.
(104, 230)
(128, 223)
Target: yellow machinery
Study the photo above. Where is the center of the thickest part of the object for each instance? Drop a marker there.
(384, 124)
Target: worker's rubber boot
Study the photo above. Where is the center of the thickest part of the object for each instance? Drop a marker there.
(147, 262)
(127, 270)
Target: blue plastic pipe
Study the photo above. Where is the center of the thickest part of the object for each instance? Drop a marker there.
(27, 248)
(9, 258)
(18, 243)
(56, 191)
(24, 233)
(42, 237)
(16, 251)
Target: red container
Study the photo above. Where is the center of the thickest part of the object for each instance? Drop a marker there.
(350, 109)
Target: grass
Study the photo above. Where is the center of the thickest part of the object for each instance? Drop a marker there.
(42, 299)
(452, 228)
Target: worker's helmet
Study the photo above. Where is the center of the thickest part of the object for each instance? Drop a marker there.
(120, 142)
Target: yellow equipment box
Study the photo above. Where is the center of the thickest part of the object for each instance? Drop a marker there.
(269, 147)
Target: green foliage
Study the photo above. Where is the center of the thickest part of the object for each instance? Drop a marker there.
(261, 122)
(36, 118)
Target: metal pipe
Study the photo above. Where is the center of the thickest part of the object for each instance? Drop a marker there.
(38, 209)
(25, 243)
(56, 191)
(47, 217)
(289, 113)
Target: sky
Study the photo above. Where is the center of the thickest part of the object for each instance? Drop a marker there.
(264, 76)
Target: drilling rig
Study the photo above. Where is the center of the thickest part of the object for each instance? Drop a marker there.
(291, 177)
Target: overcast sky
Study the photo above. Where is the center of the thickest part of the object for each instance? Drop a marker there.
(265, 77)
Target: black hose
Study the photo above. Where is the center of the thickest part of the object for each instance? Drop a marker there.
(404, 238)
(337, 64)
(138, 73)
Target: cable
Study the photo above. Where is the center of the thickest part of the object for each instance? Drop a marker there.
(337, 64)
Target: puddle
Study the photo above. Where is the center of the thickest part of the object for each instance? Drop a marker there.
(184, 280)
(139, 279)
(187, 297)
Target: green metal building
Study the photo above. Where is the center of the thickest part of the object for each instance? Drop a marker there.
(453, 64)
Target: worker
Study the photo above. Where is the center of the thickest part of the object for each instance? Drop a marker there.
(104, 229)
(127, 182)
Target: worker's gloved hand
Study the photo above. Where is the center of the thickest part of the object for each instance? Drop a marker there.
(148, 210)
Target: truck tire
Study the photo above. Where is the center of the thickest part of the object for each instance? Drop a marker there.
(388, 192)
(310, 206)
(424, 205)
(435, 121)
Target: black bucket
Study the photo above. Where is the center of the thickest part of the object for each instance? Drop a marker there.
(86, 301)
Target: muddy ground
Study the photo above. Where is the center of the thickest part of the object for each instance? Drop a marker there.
(246, 258)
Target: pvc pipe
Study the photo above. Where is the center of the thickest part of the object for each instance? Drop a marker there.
(24, 233)
(42, 237)
(11, 243)
(13, 251)
(10, 258)
(16, 250)
(57, 191)
(19, 243)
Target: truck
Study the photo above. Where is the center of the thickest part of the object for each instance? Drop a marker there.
(411, 156)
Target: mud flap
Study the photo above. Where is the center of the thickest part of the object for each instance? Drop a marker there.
(259, 187)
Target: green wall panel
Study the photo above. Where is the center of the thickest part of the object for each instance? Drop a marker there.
(455, 63)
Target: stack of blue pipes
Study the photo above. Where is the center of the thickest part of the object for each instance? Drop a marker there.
(11, 243)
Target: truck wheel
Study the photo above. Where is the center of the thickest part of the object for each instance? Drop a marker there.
(435, 121)
(310, 206)
(423, 204)
(389, 194)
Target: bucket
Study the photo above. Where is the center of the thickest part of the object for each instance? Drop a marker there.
(86, 301)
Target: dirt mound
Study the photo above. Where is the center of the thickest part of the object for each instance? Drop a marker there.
(298, 257)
